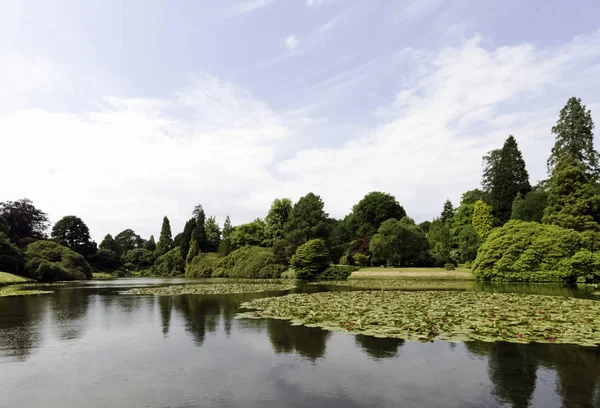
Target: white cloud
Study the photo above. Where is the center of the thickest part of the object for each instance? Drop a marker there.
(248, 6)
(291, 42)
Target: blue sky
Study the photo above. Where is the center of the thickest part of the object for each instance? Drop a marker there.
(122, 112)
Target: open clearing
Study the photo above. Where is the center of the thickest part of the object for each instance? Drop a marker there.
(10, 279)
(413, 274)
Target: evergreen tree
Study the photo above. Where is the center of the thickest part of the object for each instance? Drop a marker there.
(278, 215)
(225, 245)
(199, 233)
(573, 202)
(187, 237)
(165, 241)
(109, 244)
(574, 132)
(447, 212)
(193, 251)
(483, 221)
(150, 245)
(505, 177)
(530, 207)
(213, 234)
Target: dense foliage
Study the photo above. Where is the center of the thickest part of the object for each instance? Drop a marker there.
(310, 259)
(165, 241)
(533, 252)
(11, 257)
(25, 222)
(399, 243)
(49, 261)
(170, 264)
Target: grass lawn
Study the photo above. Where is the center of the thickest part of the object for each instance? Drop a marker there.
(9, 279)
(102, 275)
(413, 274)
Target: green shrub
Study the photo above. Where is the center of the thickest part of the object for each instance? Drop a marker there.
(248, 262)
(310, 259)
(204, 265)
(49, 261)
(449, 266)
(347, 260)
(138, 259)
(337, 272)
(272, 271)
(170, 264)
(361, 259)
(531, 252)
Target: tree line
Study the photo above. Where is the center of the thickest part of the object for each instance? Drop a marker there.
(506, 230)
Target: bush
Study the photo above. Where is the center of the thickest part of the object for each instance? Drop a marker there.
(361, 259)
(170, 264)
(337, 272)
(272, 271)
(310, 259)
(449, 266)
(248, 262)
(138, 259)
(531, 252)
(49, 261)
(347, 260)
(205, 265)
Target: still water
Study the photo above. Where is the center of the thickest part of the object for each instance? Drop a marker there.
(87, 346)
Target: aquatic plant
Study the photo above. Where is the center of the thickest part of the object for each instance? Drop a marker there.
(440, 315)
(209, 289)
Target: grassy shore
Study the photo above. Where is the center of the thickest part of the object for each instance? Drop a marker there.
(10, 279)
(102, 276)
(428, 274)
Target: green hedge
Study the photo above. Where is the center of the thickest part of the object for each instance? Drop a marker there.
(170, 264)
(310, 259)
(205, 265)
(49, 261)
(531, 252)
(245, 262)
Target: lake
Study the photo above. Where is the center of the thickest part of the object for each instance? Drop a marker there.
(85, 345)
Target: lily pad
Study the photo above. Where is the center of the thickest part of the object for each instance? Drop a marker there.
(394, 284)
(441, 315)
(209, 289)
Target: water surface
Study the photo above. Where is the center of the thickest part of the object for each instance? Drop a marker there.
(86, 345)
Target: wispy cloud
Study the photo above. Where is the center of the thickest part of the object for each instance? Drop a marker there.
(248, 6)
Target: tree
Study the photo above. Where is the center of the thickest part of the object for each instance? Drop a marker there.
(375, 208)
(225, 245)
(464, 235)
(468, 243)
(199, 233)
(150, 245)
(105, 260)
(213, 234)
(505, 177)
(252, 233)
(483, 221)
(170, 264)
(4, 227)
(447, 212)
(137, 259)
(110, 244)
(24, 220)
(71, 231)
(278, 215)
(442, 244)
(127, 240)
(187, 237)
(530, 207)
(307, 220)
(572, 202)
(165, 241)
(574, 132)
(400, 243)
(310, 259)
(11, 257)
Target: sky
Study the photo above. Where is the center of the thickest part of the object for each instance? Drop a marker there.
(124, 112)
